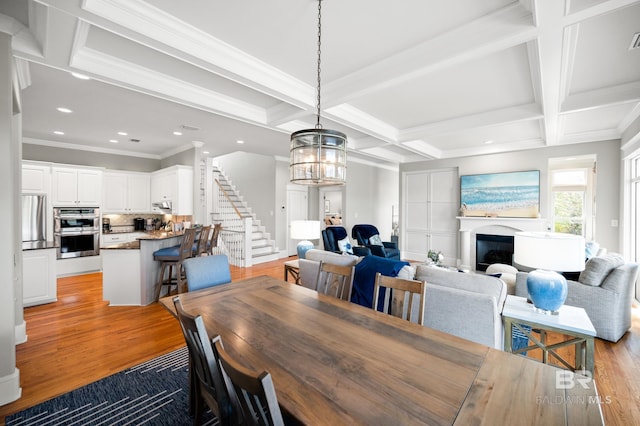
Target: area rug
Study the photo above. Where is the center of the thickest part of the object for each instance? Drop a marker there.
(153, 393)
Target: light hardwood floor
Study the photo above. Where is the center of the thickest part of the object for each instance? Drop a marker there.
(80, 339)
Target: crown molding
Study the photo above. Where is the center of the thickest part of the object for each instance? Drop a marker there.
(76, 147)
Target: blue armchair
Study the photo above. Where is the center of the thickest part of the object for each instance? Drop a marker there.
(364, 233)
(332, 234)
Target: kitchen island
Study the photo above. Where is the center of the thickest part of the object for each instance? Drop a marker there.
(129, 273)
(39, 272)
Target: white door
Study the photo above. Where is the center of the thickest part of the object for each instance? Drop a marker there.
(297, 209)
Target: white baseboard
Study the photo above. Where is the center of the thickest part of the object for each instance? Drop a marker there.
(10, 389)
(21, 333)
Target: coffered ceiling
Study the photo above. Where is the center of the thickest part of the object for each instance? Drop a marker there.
(406, 81)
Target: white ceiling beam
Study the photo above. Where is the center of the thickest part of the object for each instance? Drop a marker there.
(489, 118)
(599, 98)
(549, 15)
(228, 61)
(508, 27)
(597, 10)
(155, 83)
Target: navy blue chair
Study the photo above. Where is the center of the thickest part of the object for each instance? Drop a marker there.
(207, 271)
(369, 236)
(332, 234)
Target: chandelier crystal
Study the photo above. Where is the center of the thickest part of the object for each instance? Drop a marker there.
(317, 156)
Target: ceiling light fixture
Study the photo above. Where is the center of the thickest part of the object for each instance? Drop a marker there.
(240, 141)
(123, 133)
(317, 156)
(177, 133)
(113, 141)
(65, 110)
(58, 132)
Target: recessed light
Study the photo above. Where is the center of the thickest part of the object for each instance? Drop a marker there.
(239, 141)
(65, 110)
(177, 133)
(113, 141)
(80, 76)
(58, 132)
(205, 152)
(488, 142)
(123, 133)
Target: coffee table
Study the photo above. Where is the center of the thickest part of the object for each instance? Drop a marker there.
(570, 321)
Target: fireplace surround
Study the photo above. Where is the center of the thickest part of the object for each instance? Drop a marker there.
(471, 226)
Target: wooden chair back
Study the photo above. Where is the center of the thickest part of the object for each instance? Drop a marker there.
(255, 391)
(186, 246)
(336, 280)
(206, 379)
(401, 302)
(211, 245)
(203, 240)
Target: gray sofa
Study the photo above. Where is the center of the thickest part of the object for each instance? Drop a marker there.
(605, 292)
(465, 305)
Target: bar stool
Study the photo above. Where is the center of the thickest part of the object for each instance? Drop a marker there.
(202, 240)
(172, 257)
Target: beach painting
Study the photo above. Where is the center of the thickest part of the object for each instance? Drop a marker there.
(510, 194)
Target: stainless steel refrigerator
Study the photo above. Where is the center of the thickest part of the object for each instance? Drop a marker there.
(34, 217)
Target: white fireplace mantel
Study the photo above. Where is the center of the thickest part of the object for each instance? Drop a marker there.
(497, 225)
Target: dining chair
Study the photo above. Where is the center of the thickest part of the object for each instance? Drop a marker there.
(402, 301)
(336, 280)
(309, 272)
(207, 271)
(254, 390)
(172, 258)
(206, 382)
(212, 245)
(202, 240)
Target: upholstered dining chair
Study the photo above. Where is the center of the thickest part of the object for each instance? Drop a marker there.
(309, 273)
(207, 271)
(402, 303)
(206, 381)
(336, 280)
(172, 258)
(254, 390)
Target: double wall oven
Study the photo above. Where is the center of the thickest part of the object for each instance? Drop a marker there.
(76, 231)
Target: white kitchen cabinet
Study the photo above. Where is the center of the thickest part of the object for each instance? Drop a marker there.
(73, 186)
(126, 192)
(120, 238)
(36, 179)
(173, 184)
(39, 277)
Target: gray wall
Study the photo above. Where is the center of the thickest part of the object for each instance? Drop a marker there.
(184, 158)
(88, 158)
(371, 193)
(608, 186)
(254, 176)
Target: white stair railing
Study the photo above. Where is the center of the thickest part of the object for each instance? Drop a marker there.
(236, 232)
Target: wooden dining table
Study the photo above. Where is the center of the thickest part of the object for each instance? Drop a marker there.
(338, 363)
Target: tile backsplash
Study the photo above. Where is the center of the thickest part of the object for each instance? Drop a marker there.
(124, 222)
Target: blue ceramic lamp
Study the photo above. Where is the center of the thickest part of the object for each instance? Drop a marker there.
(549, 253)
(305, 230)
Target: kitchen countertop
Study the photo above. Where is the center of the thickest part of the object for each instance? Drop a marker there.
(38, 245)
(150, 235)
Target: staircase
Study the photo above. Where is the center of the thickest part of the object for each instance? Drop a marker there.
(231, 210)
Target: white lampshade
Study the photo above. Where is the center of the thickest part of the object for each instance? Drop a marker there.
(305, 229)
(551, 251)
